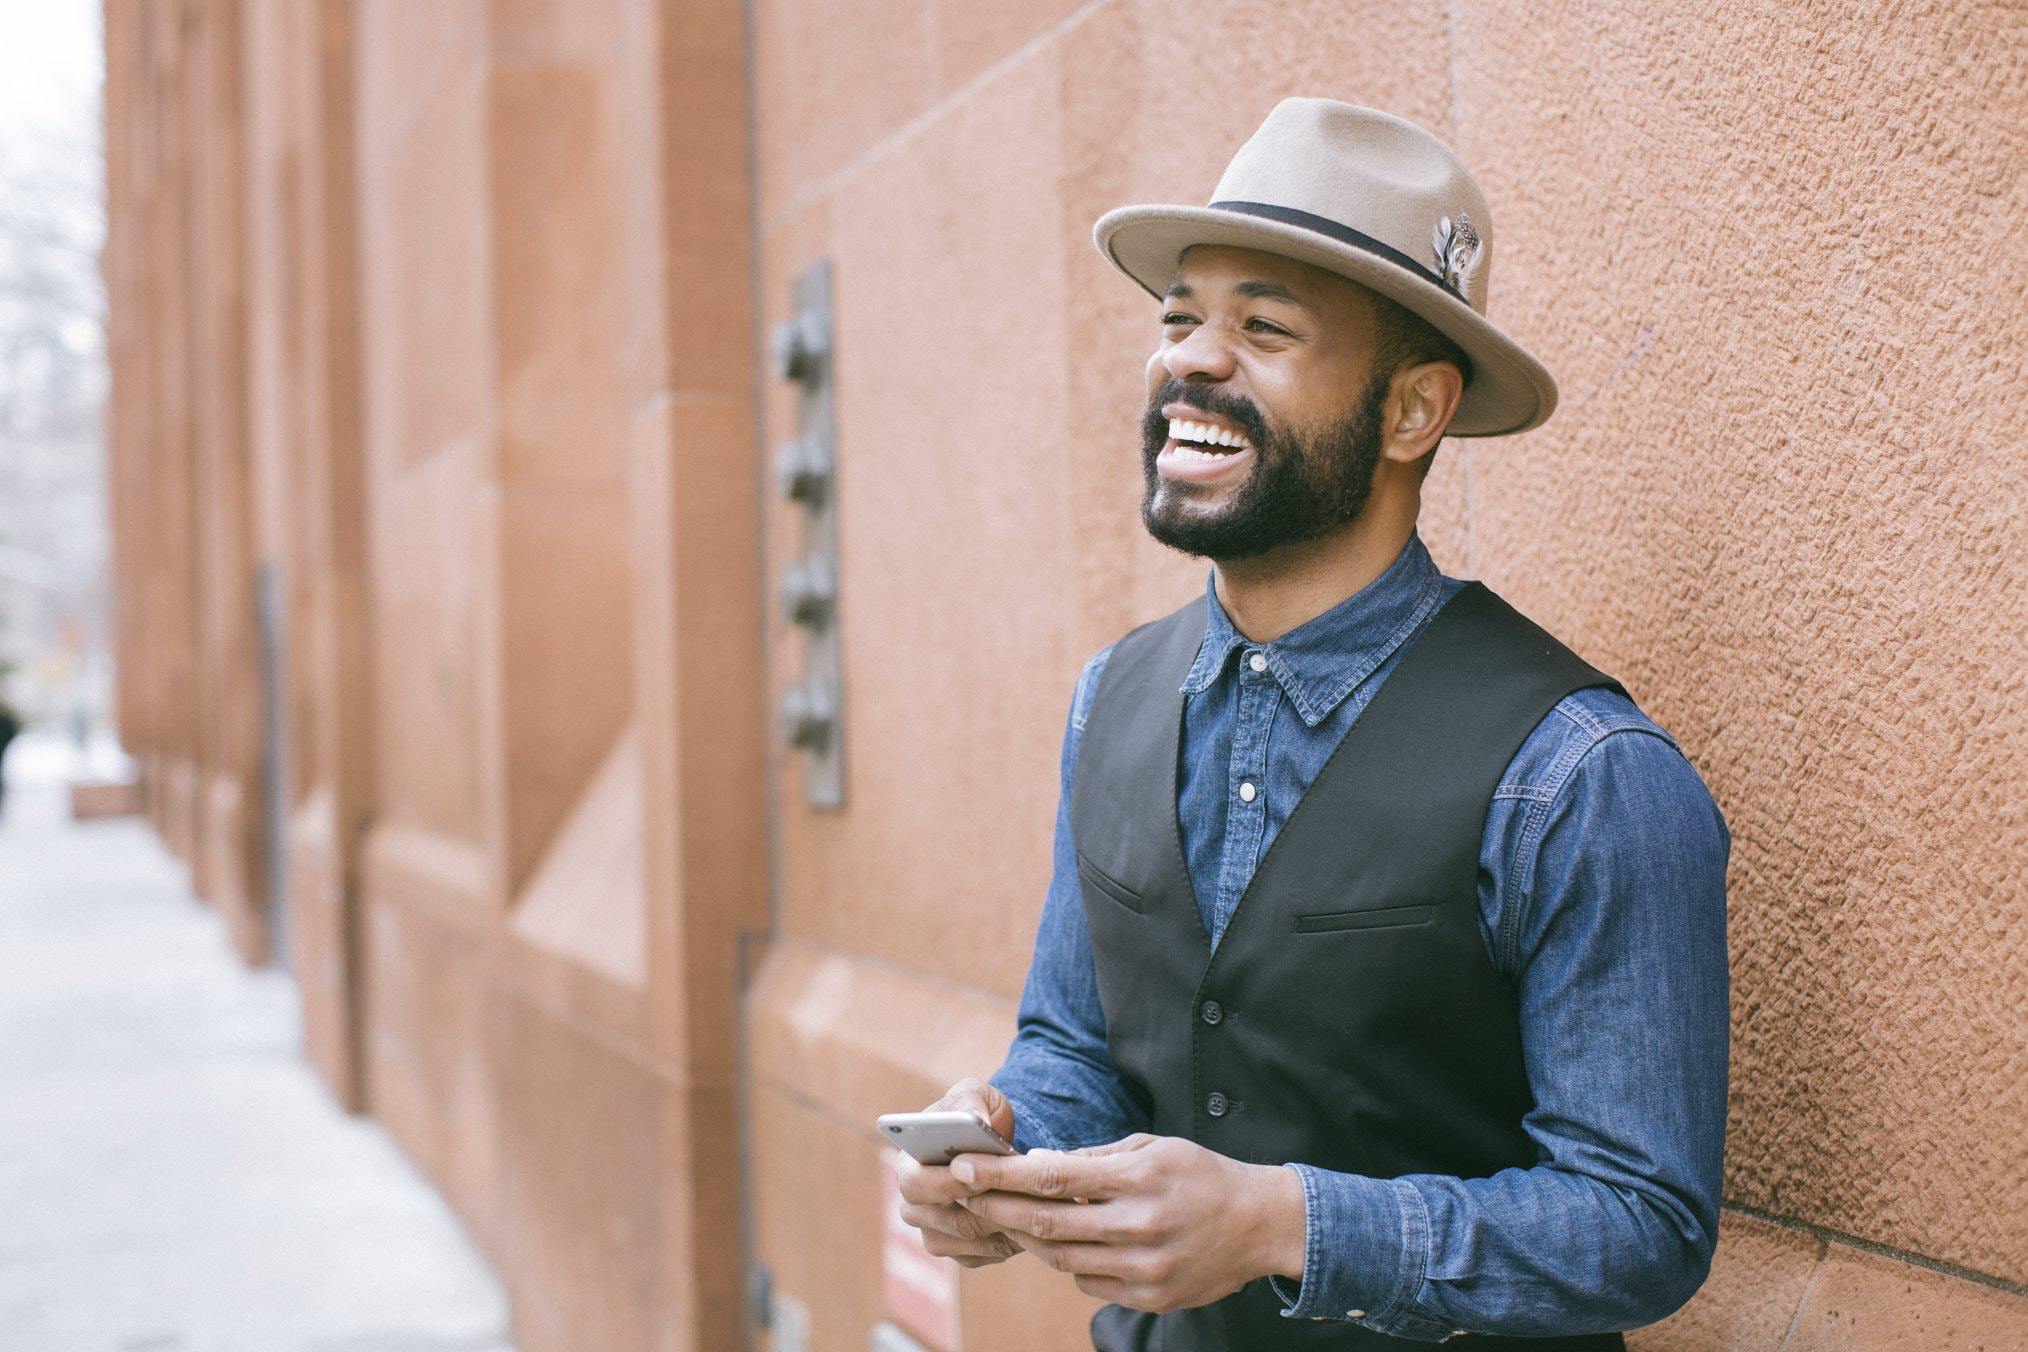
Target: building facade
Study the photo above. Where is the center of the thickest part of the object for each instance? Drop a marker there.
(591, 688)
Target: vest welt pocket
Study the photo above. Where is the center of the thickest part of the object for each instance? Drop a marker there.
(1382, 917)
(1106, 883)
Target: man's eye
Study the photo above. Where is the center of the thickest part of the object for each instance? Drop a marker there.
(1173, 318)
(1267, 326)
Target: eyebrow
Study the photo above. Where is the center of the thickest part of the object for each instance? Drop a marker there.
(1268, 291)
(1253, 288)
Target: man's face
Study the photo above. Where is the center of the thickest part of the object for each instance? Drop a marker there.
(1275, 355)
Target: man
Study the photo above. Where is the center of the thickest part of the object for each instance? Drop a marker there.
(1380, 992)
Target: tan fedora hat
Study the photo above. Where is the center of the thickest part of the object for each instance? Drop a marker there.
(1371, 197)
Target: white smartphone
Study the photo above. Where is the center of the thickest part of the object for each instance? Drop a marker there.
(940, 1137)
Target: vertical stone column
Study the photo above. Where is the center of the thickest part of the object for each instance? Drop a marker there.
(230, 864)
(309, 493)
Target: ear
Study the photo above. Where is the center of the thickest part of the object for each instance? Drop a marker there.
(1421, 401)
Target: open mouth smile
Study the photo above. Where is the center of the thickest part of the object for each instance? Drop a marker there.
(1200, 449)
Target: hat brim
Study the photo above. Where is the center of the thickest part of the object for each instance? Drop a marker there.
(1509, 391)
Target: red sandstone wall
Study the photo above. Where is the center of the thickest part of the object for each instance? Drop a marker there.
(554, 446)
(173, 255)
(501, 456)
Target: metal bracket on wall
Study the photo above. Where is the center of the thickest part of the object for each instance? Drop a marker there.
(811, 714)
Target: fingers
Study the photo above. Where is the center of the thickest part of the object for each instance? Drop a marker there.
(971, 1252)
(927, 1184)
(953, 1232)
(1056, 1221)
(966, 1260)
(1126, 1287)
(1080, 1260)
(1105, 1288)
(955, 1221)
(1040, 1173)
(1130, 1294)
(993, 1247)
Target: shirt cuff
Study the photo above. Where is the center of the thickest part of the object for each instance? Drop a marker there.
(1365, 1247)
(1030, 1130)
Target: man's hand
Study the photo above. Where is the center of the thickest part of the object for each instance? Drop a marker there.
(929, 1194)
(1168, 1224)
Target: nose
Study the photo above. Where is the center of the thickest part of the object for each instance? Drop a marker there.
(1202, 355)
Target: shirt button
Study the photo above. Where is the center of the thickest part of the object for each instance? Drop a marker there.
(1212, 1013)
(1257, 662)
(1355, 1314)
(1246, 793)
(1216, 1105)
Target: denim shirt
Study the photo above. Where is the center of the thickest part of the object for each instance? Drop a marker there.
(1601, 901)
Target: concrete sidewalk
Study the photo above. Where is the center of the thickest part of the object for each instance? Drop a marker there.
(172, 1177)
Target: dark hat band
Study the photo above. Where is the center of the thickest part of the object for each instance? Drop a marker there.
(1344, 234)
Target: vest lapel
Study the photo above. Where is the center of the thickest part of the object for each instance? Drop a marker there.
(1128, 832)
(1188, 887)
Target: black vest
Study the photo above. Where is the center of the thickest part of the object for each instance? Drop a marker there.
(1350, 1018)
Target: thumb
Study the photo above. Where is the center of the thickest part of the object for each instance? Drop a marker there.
(975, 1095)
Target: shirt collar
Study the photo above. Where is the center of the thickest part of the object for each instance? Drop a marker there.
(1324, 659)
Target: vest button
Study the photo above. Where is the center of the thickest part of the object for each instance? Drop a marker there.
(1212, 1013)
(1215, 1105)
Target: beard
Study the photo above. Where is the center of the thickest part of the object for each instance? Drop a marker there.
(1300, 487)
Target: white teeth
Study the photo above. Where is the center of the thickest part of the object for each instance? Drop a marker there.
(1185, 430)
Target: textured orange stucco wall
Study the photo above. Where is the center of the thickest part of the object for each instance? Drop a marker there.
(1788, 482)
(1781, 500)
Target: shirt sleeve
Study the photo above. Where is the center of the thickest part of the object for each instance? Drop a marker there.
(1621, 979)
(1058, 1075)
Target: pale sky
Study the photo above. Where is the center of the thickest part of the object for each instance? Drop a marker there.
(51, 57)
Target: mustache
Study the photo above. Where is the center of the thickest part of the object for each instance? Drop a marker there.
(1235, 409)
